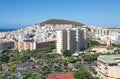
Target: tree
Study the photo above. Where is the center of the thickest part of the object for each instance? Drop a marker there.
(71, 60)
(89, 57)
(82, 74)
(1, 68)
(13, 69)
(66, 53)
(32, 77)
(94, 43)
(92, 69)
(116, 45)
(15, 57)
(64, 61)
(25, 74)
(4, 58)
(3, 76)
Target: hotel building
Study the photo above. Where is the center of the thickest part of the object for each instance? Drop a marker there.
(73, 40)
(108, 66)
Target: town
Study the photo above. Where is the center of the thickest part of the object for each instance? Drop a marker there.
(60, 49)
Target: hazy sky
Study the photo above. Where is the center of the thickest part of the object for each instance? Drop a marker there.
(90, 12)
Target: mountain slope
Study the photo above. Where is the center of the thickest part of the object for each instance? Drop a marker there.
(59, 21)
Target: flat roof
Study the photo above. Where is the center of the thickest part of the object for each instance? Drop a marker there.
(5, 41)
(46, 40)
(110, 58)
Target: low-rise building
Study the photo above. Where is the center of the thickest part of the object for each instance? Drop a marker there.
(100, 30)
(25, 45)
(108, 66)
(45, 43)
(106, 34)
(32, 45)
(6, 44)
(103, 49)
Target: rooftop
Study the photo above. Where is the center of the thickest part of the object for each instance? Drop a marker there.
(110, 58)
(5, 41)
(47, 40)
(61, 76)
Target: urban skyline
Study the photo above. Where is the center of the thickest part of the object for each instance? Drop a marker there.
(21, 13)
(61, 49)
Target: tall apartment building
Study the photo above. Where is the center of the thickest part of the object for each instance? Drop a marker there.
(61, 40)
(108, 66)
(73, 40)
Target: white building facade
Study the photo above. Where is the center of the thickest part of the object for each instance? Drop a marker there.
(73, 40)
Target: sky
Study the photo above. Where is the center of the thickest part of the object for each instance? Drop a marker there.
(21, 13)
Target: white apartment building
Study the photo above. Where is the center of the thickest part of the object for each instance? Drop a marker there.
(73, 40)
(61, 40)
(112, 35)
(108, 66)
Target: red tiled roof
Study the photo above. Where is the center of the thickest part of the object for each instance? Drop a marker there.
(61, 76)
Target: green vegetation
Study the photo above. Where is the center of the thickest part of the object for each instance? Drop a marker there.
(92, 70)
(91, 57)
(82, 74)
(71, 60)
(10, 56)
(28, 75)
(88, 57)
(116, 45)
(47, 63)
(4, 57)
(64, 61)
(66, 53)
(12, 59)
(13, 69)
(94, 43)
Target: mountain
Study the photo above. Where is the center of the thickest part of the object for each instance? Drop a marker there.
(60, 21)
